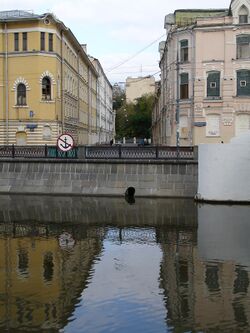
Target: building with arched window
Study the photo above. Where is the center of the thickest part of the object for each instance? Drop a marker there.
(48, 84)
(205, 76)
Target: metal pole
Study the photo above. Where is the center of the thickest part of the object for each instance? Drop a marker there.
(177, 114)
(6, 85)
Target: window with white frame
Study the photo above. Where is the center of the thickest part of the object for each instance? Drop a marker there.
(243, 15)
(243, 46)
(243, 82)
(21, 94)
(213, 84)
(46, 88)
(184, 86)
(184, 50)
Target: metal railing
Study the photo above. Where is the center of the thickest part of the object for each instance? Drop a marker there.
(142, 152)
(44, 151)
(99, 152)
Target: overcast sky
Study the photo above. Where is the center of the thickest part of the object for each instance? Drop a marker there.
(115, 30)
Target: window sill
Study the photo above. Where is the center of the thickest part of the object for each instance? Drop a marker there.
(212, 99)
(51, 101)
(242, 96)
(21, 106)
(184, 100)
(240, 59)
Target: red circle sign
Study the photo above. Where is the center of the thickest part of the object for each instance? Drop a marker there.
(65, 142)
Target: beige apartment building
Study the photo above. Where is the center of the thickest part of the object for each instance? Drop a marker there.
(48, 85)
(105, 116)
(137, 87)
(204, 91)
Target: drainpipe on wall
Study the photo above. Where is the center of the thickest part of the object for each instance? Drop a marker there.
(177, 115)
(6, 85)
(62, 84)
(193, 63)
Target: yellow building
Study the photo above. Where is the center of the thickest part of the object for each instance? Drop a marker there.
(48, 85)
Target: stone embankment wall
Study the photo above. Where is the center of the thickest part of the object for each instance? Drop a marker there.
(99, 178)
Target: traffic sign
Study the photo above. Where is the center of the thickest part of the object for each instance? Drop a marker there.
(65, 142)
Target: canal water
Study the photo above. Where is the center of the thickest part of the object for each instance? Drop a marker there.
(73, 264)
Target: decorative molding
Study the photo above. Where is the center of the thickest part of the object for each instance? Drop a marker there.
(227, 121)
(18, 81)
(48, 74)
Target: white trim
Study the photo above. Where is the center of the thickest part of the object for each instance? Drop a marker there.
(20, 80)
(47, 73)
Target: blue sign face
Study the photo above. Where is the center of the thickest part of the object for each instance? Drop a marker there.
(200, 123)
(31, 113)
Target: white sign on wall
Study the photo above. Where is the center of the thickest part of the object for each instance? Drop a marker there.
(65, 142)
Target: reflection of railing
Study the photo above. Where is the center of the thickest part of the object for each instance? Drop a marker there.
(100, 152)
(144, 152)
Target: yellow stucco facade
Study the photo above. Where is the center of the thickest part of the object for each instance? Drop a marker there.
(48, 86)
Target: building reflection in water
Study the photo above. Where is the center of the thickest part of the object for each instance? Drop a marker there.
(205, 272)
(40, 282)
(50, 245)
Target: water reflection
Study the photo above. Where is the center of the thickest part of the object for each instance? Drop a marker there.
(102, 264)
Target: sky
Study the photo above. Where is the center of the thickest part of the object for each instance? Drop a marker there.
(123, 34)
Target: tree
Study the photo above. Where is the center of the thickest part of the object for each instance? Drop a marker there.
(132, 119)
(141, 120)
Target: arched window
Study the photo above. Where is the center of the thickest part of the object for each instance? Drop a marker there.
(243, 15)
(243, 82)
(46, 88)
(21, 94)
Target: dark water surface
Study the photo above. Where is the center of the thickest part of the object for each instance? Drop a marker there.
(72, 264)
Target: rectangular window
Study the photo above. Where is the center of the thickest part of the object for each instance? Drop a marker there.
(213, 84)
(184, 50)
(243, 49)
(16, 41)
(50, 42)
(243, 19)
(42, 41)
(25, 46)
(184, 86)
(243, 83)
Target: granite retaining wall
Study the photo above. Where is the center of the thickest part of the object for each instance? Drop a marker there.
(99, 178)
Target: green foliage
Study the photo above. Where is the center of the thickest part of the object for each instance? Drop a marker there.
(134, 120)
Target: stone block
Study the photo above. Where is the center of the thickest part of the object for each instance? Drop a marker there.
(182, 169)
(174, 169)
(167, 169)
